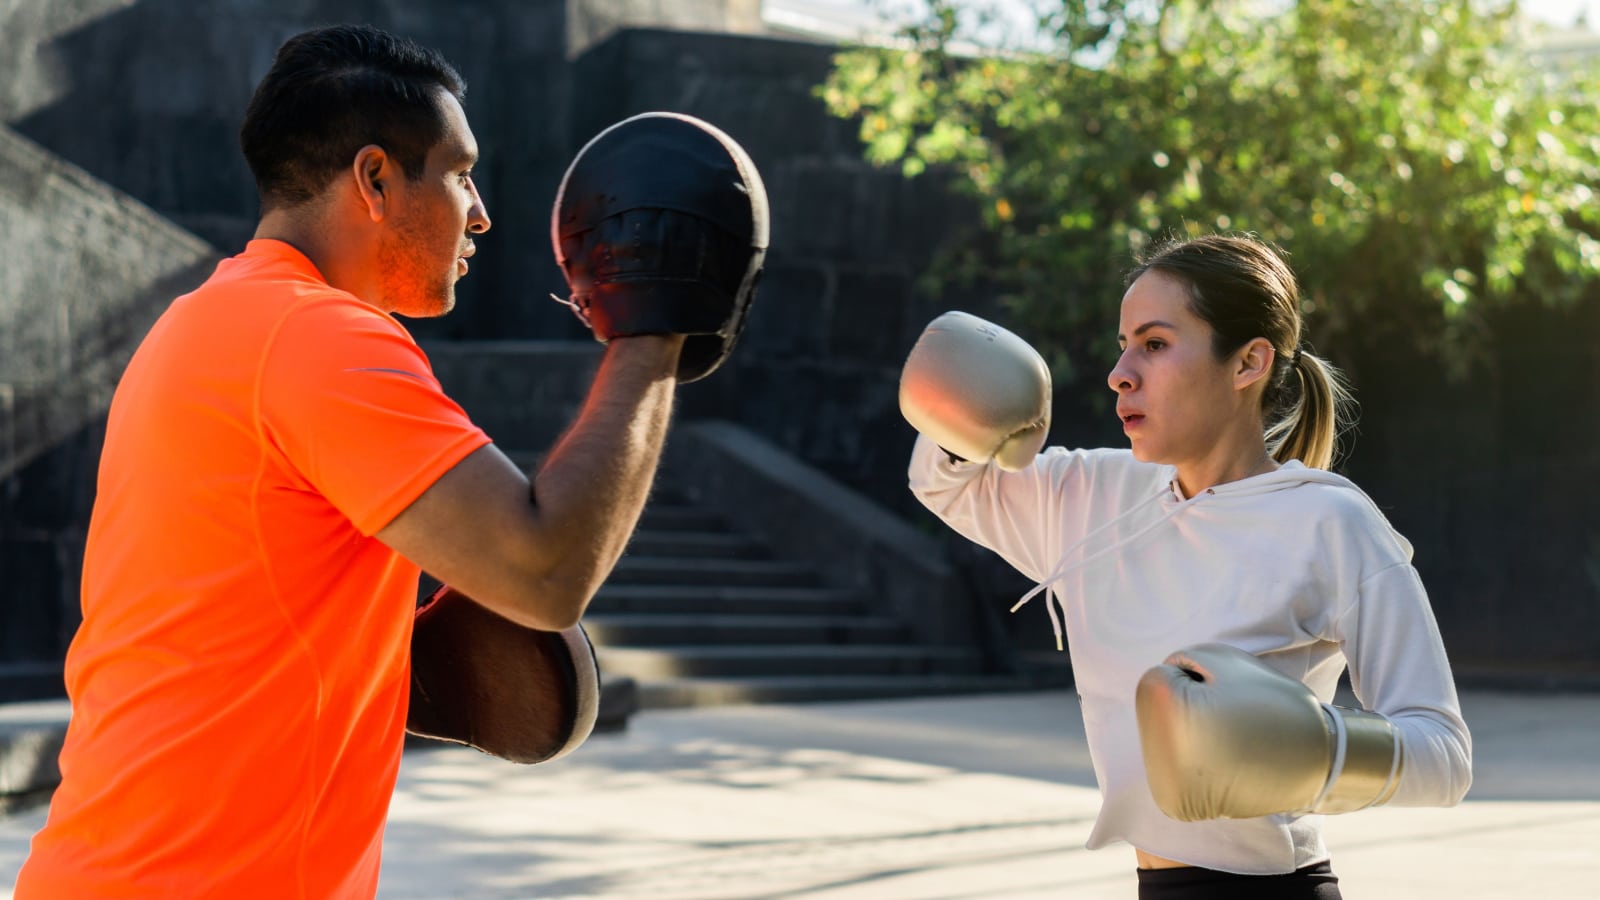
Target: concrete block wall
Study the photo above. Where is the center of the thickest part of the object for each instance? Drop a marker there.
(591, 21)
(816, 371)
(1488, 479)
(1493, 481)
(90, 270)
(148, 97)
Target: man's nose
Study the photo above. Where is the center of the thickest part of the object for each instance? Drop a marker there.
(477, 217)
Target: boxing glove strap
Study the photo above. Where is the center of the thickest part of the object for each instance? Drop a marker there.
(1366, 761)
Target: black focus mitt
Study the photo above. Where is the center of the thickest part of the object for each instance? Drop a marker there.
(480, 679)
(660, 226)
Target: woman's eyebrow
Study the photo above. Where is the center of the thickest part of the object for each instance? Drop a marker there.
(1153, 323)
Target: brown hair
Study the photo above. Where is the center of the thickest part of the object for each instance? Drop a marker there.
(1242, 287)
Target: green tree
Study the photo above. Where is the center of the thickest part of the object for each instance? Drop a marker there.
(1417, 164)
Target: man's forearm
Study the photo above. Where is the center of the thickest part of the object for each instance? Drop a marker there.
(596, 479)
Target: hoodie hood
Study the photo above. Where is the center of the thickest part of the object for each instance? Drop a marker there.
(1287, 475)
(1293, 474)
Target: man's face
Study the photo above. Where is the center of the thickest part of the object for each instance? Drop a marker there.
(426, 251)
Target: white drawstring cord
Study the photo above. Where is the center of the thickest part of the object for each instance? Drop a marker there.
(577, 310)
(1064, 566)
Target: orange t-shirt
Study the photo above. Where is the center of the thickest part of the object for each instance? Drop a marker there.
(239, 683)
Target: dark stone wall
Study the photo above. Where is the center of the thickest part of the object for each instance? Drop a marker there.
(1494, 481)
(44, 515)
(148, 97)
(1490, 479)
(816, 371)
(91, 269)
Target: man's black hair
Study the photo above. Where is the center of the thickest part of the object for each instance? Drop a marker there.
(332, 91)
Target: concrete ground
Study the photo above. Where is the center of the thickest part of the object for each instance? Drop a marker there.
(930, 799)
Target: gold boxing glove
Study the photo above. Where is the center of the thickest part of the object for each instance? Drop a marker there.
(1225, 735)
(978, 391)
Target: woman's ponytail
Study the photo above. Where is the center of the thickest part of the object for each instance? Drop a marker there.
(1312, 421)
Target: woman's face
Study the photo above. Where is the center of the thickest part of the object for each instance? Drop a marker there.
(1175, 398)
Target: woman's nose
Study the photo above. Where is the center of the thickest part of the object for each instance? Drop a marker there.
(1121, 377)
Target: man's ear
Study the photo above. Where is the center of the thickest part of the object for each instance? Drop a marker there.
(373, 171)
(1253, 362)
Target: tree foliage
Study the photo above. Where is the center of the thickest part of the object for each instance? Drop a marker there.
(1419, 167)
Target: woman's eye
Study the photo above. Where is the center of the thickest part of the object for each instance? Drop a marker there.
(1153, 345)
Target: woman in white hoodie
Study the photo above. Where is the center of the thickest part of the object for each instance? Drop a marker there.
(1219, 534)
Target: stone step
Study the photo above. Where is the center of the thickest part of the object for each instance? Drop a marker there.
(679, 517)
(683, 544)
(658, 629)
(671, 693)
(25, 681)
(653, 664)
(700, 612)
(724, 600)
(711, 571)
(30, 740)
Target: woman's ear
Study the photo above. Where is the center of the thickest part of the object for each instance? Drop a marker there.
(1253, 362)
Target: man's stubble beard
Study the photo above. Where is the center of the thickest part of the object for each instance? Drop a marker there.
(409, 288)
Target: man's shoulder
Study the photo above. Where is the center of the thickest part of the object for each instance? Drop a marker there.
(248, 288)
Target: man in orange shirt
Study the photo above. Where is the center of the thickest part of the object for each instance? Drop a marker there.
(279, 464)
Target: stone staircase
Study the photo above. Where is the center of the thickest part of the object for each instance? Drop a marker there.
(752, 577)
(701, 612)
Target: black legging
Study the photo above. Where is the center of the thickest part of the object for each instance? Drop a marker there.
(1314, 882)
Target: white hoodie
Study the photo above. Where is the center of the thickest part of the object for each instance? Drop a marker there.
(1297, 566)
